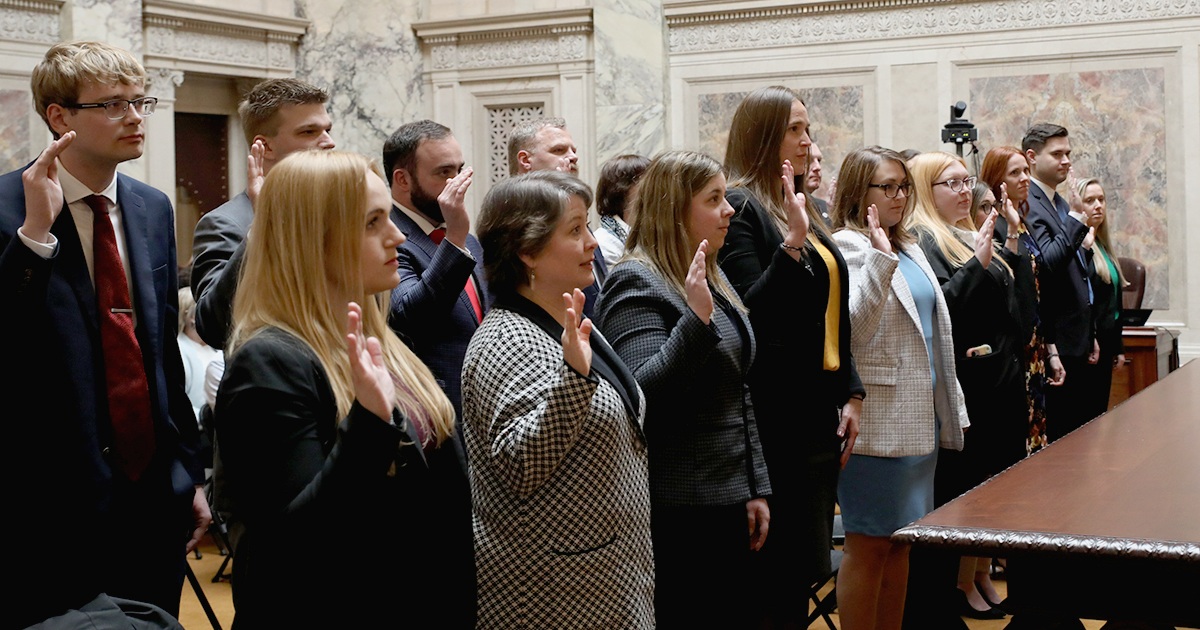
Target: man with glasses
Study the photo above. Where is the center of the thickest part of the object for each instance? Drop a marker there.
(102, 438)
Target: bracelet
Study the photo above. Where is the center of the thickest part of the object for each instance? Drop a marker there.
(857, 396)
(790, 248)
(1012, 237)
(1051, 355)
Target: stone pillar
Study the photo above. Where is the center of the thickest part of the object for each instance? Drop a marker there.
(631, 93)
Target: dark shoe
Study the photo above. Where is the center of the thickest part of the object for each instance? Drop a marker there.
(967, 610)
(996, 605)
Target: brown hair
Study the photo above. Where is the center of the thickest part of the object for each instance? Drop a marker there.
(849, 209)
(523, 134)
(618, 177)
(259, 107)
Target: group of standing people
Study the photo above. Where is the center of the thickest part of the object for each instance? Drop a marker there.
(542, 426)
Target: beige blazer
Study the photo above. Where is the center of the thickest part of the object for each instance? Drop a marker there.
(893, 363)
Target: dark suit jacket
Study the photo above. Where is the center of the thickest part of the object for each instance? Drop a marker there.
(787, 302)
(56, 400)
(430, 307)
(699, 421)
(341, 521)
(217, 251)
(1064, 276)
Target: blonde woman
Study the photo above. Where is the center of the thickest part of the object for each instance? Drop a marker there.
(903, 347)
(978, 279)
(1107, 282)
(680, 327)
(780, 259)
(336, 441)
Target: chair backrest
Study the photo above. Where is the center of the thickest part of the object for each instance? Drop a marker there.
(1134, 273)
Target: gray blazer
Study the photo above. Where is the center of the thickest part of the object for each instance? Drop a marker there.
(889, 346)
(699, 421)
(559, 483)
(217, 250)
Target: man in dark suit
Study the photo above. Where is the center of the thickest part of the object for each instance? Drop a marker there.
(1064, 239)
(545, 144)
(279, 117)
(442, 296)
(103, 442)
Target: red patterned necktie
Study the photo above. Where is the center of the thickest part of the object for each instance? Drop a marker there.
(437, 235)
(124, 372)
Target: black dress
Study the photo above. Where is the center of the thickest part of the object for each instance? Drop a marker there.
(1106, 321)
(797, 402)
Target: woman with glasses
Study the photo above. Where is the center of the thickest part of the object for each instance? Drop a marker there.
(903, 349)
(977, 278)
(783, 263)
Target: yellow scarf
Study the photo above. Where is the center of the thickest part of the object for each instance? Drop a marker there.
(833, 308)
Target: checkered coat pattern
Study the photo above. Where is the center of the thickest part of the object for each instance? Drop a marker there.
(699, 421)
(560, 485)
(893, 362)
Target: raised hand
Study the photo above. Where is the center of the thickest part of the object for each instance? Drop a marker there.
(373, 385)
(699, 296)
(1073, 198)
(983, 240)
(1090, 239)
(43, 193)
(453, 203)
(256, 173)
(1011, 216)
(577, 335)
(797, 215)
(879, 236)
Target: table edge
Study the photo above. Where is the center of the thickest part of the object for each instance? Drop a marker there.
(992, 540)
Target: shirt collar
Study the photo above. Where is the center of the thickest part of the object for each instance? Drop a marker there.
(75, 190)
(421, 221)
(1046, 188)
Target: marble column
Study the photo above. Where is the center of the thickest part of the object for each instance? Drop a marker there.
(630, 93)
(159, 155)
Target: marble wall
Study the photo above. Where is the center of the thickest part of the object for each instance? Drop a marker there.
(630, 62)
(14, 129)
(835, 115)
(1117, 122)
(365, 54)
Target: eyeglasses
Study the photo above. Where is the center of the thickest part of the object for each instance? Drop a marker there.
(118, 107)
(987, 206)
(957, 185)
(891, 191)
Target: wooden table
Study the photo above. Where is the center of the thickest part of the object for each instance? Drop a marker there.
(1151, 353)
(1102, 524)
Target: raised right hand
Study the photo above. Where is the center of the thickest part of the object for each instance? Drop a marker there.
(699, 296)
(983, 240)
(793, 202)
(256, 173)
(373, 385)
(43, 193)
(452, 201)
(577, 335)
(879, 236)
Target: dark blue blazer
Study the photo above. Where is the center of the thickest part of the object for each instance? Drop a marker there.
(430, 307)
(56, 412)
(1064, 292)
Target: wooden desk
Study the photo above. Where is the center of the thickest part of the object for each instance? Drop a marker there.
(1104, 523)
(1150, 353)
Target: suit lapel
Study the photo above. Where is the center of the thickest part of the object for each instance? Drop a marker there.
(73, 266)
(137, 250)
(420, 241)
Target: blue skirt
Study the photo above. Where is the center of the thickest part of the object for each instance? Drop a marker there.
(879, 495)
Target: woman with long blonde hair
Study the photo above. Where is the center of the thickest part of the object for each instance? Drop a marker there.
(1107, 283)
(977, 278)
(332, 434)
(681, 328)
(780, 259)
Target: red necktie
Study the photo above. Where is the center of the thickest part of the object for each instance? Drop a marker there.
(124, 372)
(437, 235)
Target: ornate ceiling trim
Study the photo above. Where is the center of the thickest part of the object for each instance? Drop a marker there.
(500, 41)
(221, 41)
(32, 21)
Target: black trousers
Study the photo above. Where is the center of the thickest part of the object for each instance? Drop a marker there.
(1069, 406)
(702, 567)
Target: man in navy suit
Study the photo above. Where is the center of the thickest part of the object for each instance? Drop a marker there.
(1066, 293)
(544, 144)
(279, 117)
(104, 478)
(442, 296)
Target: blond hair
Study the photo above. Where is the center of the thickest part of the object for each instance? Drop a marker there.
(926, 168)
(659, 237)
(1102, 242)
(304, 249)
(69, 65)
(756, 134)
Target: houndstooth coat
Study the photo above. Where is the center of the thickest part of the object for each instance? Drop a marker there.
(889, 347)
(559, 481)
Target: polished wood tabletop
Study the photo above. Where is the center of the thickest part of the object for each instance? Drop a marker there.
(1126, 484)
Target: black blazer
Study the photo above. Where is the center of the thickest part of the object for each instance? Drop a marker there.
(1064, 277)
(218, 248)
(341, 521)
(430, 307)
(1106, 313)
(787, 302)
(700, 423)
(55, 398)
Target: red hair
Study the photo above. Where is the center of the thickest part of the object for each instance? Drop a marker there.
(995, 166)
